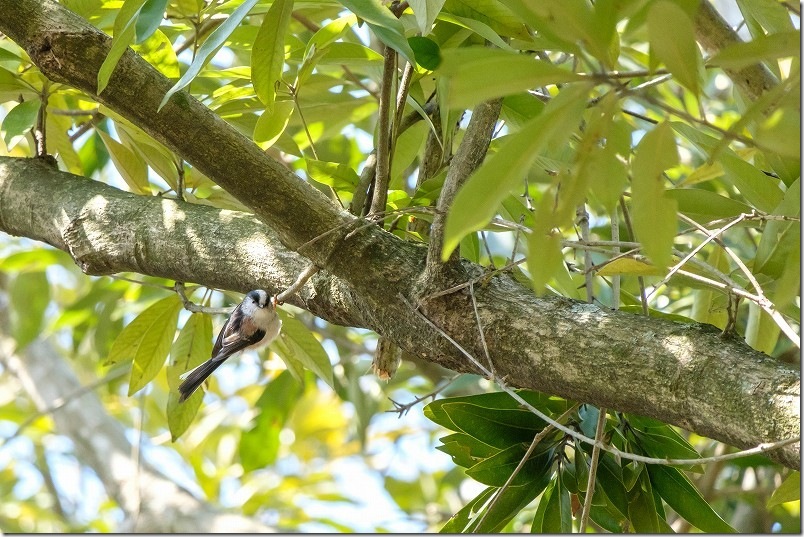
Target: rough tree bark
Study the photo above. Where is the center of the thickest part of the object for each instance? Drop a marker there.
(681, 374)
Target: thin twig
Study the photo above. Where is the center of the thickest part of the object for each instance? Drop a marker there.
(627, 219)
(404, 408)
(480, 327)
(296, 286)
(583, 221)
(590, 483)
(762, 448)
(191, 306)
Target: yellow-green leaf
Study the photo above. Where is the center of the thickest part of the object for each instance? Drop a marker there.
(480, 197)
(763, 48)
(132, 168)
(672, 40)
(305, 348)
(191, 349)
(272, 123)
(654, 214)
(146, 341)
(467, 73)
(125, 25)
(629, 266)
(268, 54)
(788, 491)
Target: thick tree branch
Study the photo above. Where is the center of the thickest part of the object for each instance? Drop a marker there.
(714, 33)
(470, 155)
(679, 373)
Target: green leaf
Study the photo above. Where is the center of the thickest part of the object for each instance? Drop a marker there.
(132, 168)
(496, 427)
(641, 507)
(466, 71)
(675, 489)
(259, 446)
(465, 450)
(20, 120)
(428, 54)
(672, 40)
(192, 347)
(425, 12)
(459, 522)
(779, 237)
(305, 348)
(29, 295)
(268, 54)
(125, 25)
(149, 19)
(478, 200)
(271, 124)
(383, 23)
(704, 206)
(217, 38)
(337, 175)
(654, 214)
(759, 189)
(510, 503)
(480, 28)
(788, 491)
(497, 469)
(763, 48)
(146, 341)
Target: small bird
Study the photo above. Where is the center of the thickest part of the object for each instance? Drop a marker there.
(253, 323)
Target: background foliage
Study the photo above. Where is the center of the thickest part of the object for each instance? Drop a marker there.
(622, 115)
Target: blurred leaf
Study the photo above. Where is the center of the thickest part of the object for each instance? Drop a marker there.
(763, 48)
(704, 206)
(653, 214)
(478, 200)
(29, 295)
(630, 266)
(672, 40)
(192, 347)
(685, 499)
(425, 12)
(268, 54)
(467, 72)
(428, 55)
(779, 238)
(259, 446)
(125, 25)
(305, 348)
(788, 491)
(465, 450)
(459, 522)
(19, 120)
(217, 38)
(383, 23)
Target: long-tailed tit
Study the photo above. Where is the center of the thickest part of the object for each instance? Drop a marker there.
(253, 323)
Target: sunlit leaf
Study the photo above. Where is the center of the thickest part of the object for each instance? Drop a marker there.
(467, 72)
(479, 198)
(764, 48)
(383, 23)
(672, 40)
(653, 213)
(268, 54)
(125, 25)
(788, 491)
(149, 19)
(217, 38)
(132, 168)
(425, 12)
(19, 120)
(305, 348)
(192, 347)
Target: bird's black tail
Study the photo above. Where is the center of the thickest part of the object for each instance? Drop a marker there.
(196, 377)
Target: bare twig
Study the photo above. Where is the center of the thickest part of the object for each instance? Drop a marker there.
(191, 306)
(298, 284)
(583, 221)
(480, 327)
(590, 483)
(404, 408)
